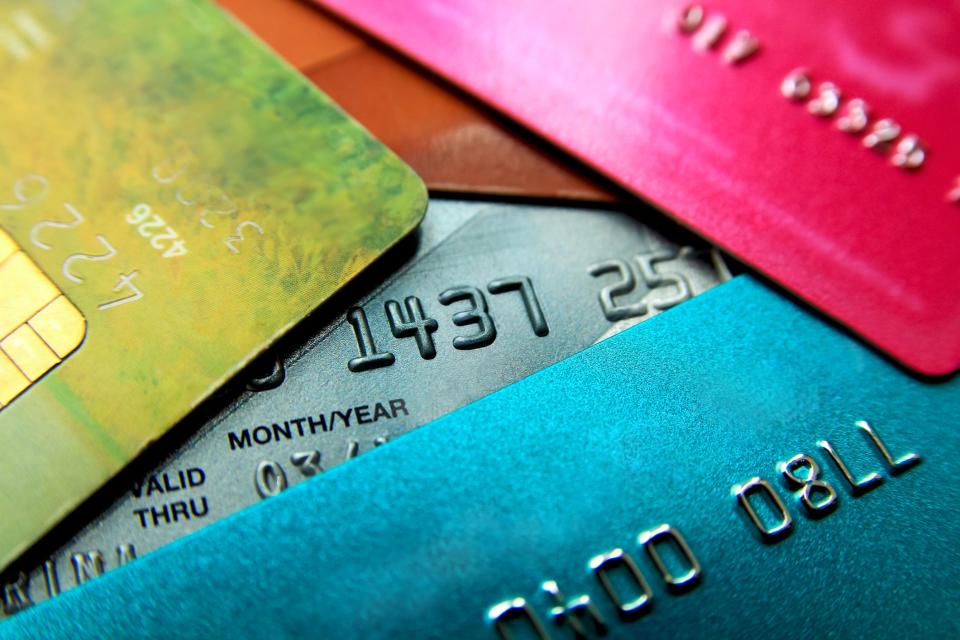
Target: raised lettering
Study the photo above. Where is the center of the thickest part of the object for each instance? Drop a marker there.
(858, 487)
(898, 465)
(572, 611)
(665, 534)
(16, 594)
(515, 612)
(758, 485)
(51, 579)
(87, 566)
(606, 563)
(269, 479)
(126, 553)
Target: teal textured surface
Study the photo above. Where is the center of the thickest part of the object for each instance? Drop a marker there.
(422, 537)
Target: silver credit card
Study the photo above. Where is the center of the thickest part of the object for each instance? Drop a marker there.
(491, 294)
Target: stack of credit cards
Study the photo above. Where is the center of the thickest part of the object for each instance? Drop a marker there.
(164, 221)
(526, 370)
(618, 493)
(816, 143)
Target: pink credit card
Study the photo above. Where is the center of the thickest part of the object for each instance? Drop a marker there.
(818, 141)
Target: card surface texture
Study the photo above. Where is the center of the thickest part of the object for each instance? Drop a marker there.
(733, 467)
(173, 197)
(818, 143)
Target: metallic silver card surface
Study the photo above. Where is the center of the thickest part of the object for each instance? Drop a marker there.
(490, 294)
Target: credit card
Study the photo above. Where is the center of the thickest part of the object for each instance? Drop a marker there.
(815, 142)
(475, 307)
(732, 468)
(164, 219)
(453, 143)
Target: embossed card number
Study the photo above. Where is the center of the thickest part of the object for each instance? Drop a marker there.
(820, 136)
(289, 429)
(409, 320)
(144, 212)
(624, 583)
(32, 189)
(204, 201)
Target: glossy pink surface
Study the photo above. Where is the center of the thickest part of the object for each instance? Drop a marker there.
(616, 83)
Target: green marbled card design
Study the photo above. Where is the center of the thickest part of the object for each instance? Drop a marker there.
(192, 196)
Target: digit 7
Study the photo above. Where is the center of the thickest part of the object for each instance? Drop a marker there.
(534, 311)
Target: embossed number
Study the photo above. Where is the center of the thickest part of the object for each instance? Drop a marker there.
(881, 135)
(477, 314)
(268, 373)
(269, 479)
(529, 296)
(655, 280)
(237, 236)
(414, 323)
(809, 484)
(91, 257)
(856, 116)
(227, 208)
(369, 357)
(909, 153)
(124, 282)
(27, 190)
(308, 462)
(515, 612)
(626, 284)
(53, 224)
(796, 86)
(827, 101)
(954, 194)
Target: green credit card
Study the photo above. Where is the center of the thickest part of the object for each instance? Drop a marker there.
(173, 197)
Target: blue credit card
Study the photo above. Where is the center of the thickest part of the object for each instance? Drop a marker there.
(731, 468)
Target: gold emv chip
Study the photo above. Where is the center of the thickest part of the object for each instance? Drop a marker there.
(39, 327)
